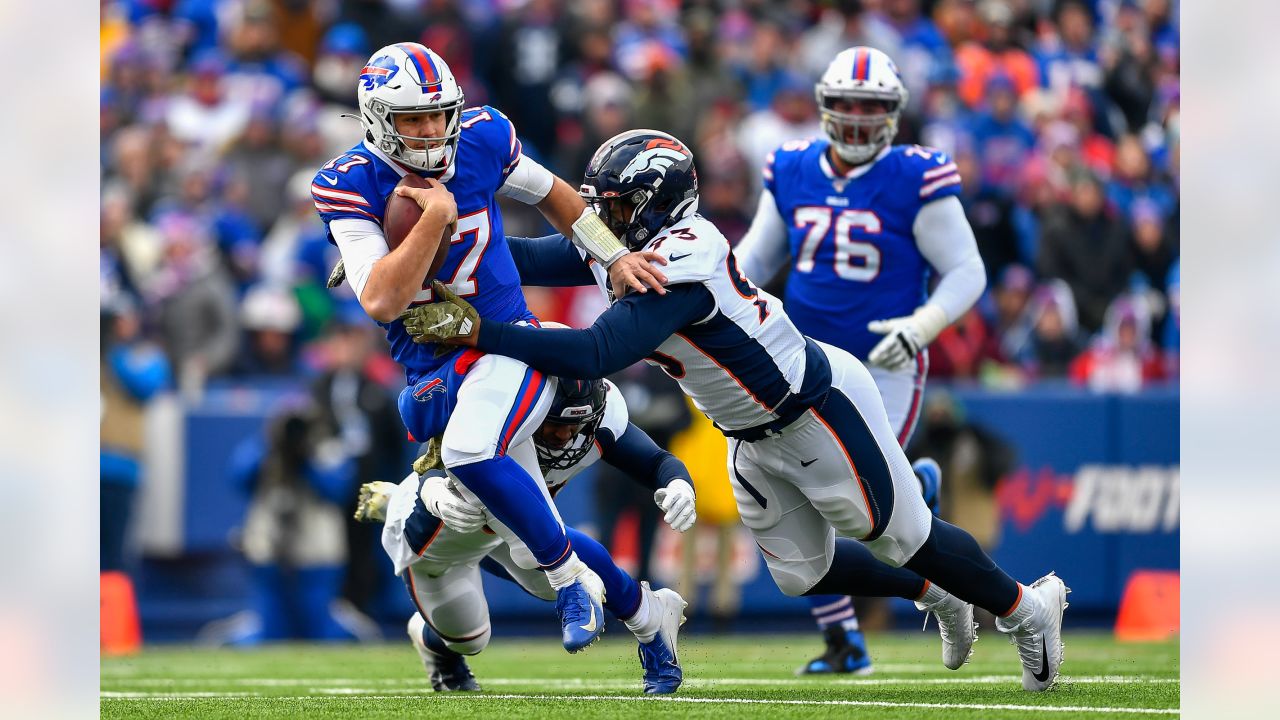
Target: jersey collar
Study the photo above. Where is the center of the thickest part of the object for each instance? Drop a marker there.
(401, 170)
(857, 172)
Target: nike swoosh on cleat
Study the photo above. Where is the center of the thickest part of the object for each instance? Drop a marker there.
(591, 625)
(804, 463)
(1044, 663)
(331, 181)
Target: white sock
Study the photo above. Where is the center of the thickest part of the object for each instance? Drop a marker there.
(933, 595)
(645, 623)
(1026, 607)
(849, 625)
(566, 572)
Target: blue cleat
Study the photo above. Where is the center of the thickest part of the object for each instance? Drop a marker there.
(446, 669)
(846, 654)
(930, 476)
(580, 607)
(662, 673)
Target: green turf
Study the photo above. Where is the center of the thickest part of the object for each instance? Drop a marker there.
(1099, 677)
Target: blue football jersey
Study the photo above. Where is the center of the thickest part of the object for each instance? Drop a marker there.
(854, 255)
(479, 266)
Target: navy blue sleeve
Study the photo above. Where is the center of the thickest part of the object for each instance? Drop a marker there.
(622, 336)
(636, 454)
(549, 261)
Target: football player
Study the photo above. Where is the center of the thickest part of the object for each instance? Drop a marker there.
(812, 454)
(864, 225)
(434, 538)
(412, 116)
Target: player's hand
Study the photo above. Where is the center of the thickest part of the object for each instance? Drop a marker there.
(371, 505)
(429, 460)
(433, 197)
(445, 503)
(336, 275)
(905, 337)
(633, 271)
(676, 500)
(901, 343)
(451, 320)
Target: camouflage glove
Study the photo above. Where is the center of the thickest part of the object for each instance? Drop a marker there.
(336, 275)
(371, 505)
(451, 319)
(429, 460)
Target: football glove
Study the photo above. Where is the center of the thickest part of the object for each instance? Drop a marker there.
(429, 460)
(445, 503)
(449, 318)
(371, 505)
(904, 337)
(676, 500)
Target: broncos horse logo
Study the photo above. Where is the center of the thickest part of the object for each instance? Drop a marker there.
(657, 155)
(378, 72)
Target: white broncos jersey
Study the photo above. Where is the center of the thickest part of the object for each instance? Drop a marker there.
(741, 362)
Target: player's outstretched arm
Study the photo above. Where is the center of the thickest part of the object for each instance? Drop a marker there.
(763, 250)
(637, 455)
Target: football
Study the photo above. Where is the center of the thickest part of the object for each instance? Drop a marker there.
(402, 214)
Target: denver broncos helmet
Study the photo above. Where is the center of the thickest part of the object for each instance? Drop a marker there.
(577, 403)
(639, 182)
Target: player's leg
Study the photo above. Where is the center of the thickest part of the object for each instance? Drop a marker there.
(499, 405)
(653, 616)
(903, 532)
(452, 621)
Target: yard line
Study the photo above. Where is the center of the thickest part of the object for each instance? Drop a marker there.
(590, 683)
(636, 698)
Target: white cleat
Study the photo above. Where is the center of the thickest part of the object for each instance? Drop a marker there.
(659, 657)
(1039, 636)
(956, 626)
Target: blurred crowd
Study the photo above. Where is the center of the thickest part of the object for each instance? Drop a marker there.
(1062, 114)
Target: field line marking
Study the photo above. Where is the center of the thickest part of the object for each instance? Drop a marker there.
(610, 683)
(634, 698)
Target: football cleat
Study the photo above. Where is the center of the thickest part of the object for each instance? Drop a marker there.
(846, 653)
(446, 669)
(580, 608)
(1039, 636)
(662, 673)
(956, 626)
(371, 504)
(930, 476)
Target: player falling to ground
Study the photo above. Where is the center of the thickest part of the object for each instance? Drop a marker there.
(864, 225)
(434, 538)
(413, 121)
(812, 455)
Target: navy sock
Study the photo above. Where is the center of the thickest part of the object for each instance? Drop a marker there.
(951, 558)
(621, 591)
(855, 571)
(513, 497)
(436, 643)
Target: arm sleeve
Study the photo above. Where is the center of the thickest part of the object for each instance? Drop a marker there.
(945, 239)
(763, 250)
(550, 261)
(622, 335)
(362, 244)
(637, 455)
(527, 182)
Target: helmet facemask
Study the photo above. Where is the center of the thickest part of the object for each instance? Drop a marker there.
(429, 158)
(858, 136)
(551, 457)
(622, 214)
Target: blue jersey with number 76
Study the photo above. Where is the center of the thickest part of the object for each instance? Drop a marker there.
(479, 267)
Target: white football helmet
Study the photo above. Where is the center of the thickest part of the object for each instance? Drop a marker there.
(409, 78)
(860, 73)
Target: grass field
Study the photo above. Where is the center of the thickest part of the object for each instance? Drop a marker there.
(743, 676)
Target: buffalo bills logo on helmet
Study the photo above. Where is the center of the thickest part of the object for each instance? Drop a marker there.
(378, 72)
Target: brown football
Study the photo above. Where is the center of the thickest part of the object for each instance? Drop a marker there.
(402, 214)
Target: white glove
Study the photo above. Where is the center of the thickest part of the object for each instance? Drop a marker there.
(905, 336)
(445, 503)
(676, 500)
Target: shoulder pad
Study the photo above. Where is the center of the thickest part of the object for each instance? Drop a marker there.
(695, 250)
(344, 187)
(616, 416)
(929, 169)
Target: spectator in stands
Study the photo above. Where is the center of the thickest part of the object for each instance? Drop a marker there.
(1153, 250)
(990, 214)
(1089, 248)
(1122, 358)
(792, 115)
(1068, 58)
(270, 316)
(1135, 180)
(844, 24)
(923, 47)
(258, 160)
(998, 54)
(1013, 323)
(206, 116)
(649, 28)
(258, 69)
(1001, 139)
(1055, 338)
(531, 48)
